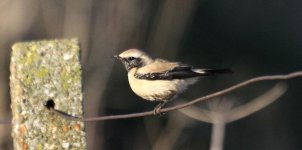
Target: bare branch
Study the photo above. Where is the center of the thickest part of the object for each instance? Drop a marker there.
(233, 114)
(258, 103)
(216, 94)
(222, 112)
(197, 113)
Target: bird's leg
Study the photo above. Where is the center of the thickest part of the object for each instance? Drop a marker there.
(156, 110)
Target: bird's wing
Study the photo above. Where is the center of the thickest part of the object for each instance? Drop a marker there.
(159, 65)
(164, 70)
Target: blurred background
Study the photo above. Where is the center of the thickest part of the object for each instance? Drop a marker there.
(253, 37)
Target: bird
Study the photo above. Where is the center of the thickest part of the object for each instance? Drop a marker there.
(156, 79)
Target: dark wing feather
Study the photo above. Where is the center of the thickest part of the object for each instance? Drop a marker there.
(178, 72)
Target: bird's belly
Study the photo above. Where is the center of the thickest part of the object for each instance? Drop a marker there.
(154, 90)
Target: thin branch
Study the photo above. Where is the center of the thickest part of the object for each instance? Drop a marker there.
(219, 93)
(257, 103)
(234, 113)
(216, 94)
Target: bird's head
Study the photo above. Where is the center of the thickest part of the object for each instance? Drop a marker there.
(134, 58)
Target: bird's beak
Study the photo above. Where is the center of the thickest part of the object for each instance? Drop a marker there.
(116, 57)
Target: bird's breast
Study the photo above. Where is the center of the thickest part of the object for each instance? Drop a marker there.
(155, 89)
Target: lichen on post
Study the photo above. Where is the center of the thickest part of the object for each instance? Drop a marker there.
(44, 71)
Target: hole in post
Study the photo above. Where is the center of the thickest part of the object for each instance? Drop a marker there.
(50, 104)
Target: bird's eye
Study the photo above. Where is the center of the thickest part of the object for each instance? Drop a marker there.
(131, 58)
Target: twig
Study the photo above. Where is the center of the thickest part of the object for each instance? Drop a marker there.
(234, 113)
(216, 94)
(223, 112)
(258, 103)
(219, 93)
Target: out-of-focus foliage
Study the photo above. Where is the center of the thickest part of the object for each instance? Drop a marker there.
(253, 37)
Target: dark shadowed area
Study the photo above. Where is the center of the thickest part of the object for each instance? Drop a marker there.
(253, 37)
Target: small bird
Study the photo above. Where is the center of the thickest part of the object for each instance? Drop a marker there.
(160, 80)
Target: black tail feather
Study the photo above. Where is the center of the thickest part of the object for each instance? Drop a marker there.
(212, 71)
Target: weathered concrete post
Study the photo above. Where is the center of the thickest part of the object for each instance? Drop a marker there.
(41, 72)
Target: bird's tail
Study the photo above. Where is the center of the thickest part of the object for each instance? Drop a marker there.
(207, 72)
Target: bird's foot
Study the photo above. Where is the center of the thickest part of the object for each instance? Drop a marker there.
(157, 109)
(157, 112)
